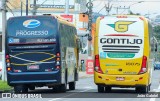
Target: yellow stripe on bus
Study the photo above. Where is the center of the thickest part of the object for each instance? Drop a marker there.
(53, 56)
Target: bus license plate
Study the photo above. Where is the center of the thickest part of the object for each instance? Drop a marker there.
(33, 67)
(120, 78)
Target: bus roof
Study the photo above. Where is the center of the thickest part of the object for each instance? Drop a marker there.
(124, 16)
(60, 19)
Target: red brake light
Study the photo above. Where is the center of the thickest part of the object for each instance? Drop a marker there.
(97, 64)
(58, 54)
(57, 67)
(7, 56)
(144, 65)
(97, 61)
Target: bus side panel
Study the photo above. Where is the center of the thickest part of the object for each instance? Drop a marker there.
(148, 51)
(96, 51)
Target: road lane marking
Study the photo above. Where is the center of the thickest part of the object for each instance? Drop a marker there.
(156, 90)
(54, 99)
(89, 88)
(61, 97)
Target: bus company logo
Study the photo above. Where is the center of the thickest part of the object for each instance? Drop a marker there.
(32, 23)
(121, 26)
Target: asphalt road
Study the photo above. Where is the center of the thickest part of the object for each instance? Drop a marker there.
(87, 90)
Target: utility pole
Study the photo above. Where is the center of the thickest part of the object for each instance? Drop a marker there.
(34, 7)
(27, 7)
(66, 6)
(4, 78)
(21, 8)
(108, 7)
(89, 6)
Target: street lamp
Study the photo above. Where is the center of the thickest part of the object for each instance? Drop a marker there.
(129, 11)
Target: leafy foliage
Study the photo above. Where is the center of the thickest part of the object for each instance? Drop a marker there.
(157, 32)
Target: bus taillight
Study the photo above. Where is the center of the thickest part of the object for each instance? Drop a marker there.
(97, 64)
(144, 65)
(8, 64)
(58, 61)
(7, 56)
(57, 67)
(8, 69)
(58, 54)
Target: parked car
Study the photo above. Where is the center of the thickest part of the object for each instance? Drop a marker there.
(157, 65)
(0, 69)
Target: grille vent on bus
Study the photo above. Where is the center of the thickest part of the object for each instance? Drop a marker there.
(120, 49)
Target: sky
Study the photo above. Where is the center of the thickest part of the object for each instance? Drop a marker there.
(151, 7)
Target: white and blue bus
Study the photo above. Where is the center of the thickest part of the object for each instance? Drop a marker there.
(41, 51)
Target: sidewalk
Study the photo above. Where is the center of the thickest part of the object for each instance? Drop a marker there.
(84, 74)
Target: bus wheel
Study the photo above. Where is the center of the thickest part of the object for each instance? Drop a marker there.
(24, 89)
(20, 89)
(100, 89)
(72, 85)
(63, 87)
(31, 87)
(149, 87)
(143, 89)
(17, 89)
(107, 89)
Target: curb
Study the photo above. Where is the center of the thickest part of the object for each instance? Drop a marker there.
(6, 91)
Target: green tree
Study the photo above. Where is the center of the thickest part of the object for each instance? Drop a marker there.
(157, 31)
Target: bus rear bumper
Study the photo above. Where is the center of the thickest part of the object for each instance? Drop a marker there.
(129, 80)
(33, 78)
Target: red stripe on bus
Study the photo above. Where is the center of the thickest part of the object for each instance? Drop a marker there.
(31, 43)
(121, 35)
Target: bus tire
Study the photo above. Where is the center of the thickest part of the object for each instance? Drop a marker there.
(100, 89)
(72, 85)
(107, 89)
(56, 89)
(17, 89)
(63, 87)
(31, 87)
(24, 89)
(20, 89)
(142, 89)
(76, 75)
(149, 87)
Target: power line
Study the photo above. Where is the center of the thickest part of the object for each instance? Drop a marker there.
(10, 10)
(98, 4)
(25, 5)
(11, 4)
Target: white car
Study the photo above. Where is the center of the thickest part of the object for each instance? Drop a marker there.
(0, 69)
